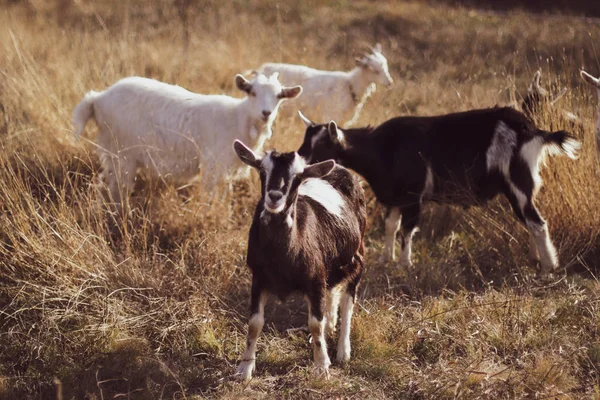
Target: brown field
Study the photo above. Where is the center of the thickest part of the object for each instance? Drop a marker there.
(157, 308)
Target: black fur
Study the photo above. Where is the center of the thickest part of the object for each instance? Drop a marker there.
(394, 158)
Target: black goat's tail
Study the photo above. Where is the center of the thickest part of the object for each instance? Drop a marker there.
(561, 143)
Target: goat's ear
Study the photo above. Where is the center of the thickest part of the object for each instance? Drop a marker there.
(337, 136)
(378, 48)
(243, 84)
(274, 76)
(291, 92)
(306, 121)
(318, 170)
(589, 79)
(247, 156)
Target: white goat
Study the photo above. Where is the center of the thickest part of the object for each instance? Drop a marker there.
(595, 82)
(335, 95)
(175, 134)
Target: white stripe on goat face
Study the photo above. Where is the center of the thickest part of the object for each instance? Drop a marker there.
(279, 171)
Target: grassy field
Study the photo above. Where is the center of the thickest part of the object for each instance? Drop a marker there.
(158, 308)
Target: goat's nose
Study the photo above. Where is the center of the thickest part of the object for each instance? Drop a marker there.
(275, 195)
(266, 113)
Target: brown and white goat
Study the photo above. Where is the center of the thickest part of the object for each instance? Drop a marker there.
(306, 237)
(463, 158)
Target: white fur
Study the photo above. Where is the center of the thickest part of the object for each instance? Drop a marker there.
(392, 225)
(501, 149)
(343, 348)
(327, 95)
(429, 185)
(405, 255)
(321, 358)
(547, 252)
(530, 153)
(333, 303)
(322, 192)
(255, 325)
(173, 133)
(298, 165)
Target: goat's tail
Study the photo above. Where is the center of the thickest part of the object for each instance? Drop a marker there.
(84, 111)
(561, 142)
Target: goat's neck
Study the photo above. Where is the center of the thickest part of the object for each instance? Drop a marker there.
(359, 80)
(256, 131)
(281, 229)
(358, 153)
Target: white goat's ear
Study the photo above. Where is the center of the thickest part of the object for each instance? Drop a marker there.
(274, 76)
(245, 154)
(306, 121)
(318, 170)
(243, 84)
(589, 78)
(291, 92)
(378, 48)
(337, 136)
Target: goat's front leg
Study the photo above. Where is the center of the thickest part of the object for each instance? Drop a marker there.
(392, 225)
(316, 326)
(258, 298)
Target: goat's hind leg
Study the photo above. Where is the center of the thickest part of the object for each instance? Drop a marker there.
(333, 305)
(392, 225)
(410, 221)
(538, 229)
(540, 245)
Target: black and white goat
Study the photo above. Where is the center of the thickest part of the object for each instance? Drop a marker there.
(463, 158)
(306, 237)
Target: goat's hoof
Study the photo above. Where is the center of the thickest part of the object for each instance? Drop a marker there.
(244, 371)
(342, 357)
(321, 371)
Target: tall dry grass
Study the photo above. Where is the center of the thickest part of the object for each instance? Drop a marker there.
(156, 308)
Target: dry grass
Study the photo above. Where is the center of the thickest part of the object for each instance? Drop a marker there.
(157, 308)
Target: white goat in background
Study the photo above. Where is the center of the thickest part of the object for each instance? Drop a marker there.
(335, 95)
(595, 82)
(174, 134)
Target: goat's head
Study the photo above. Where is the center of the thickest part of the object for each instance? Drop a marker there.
(281, 175)
(376, 64)
(537, 96)
(321, 141)
(595, 82)
(265, 94)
